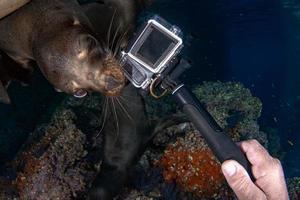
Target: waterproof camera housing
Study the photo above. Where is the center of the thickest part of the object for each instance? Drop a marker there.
(151, 51)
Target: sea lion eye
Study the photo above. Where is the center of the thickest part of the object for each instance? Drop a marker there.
(80, 93)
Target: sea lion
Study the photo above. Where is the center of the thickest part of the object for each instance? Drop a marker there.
(10, 70)
(77, 56)
(127, 130)
(58, 36)
(9, 6)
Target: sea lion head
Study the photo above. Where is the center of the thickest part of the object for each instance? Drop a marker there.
(75, 62)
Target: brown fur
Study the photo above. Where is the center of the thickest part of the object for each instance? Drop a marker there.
(58, 36)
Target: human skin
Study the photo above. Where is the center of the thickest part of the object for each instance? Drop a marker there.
(268, 173)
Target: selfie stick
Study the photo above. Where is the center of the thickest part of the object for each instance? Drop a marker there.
(220, 142)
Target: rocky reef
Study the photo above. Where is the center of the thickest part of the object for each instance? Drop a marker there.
(193, 167)
(294, 188)
(234, 108)
(54, 167)
(57, 161)
(62, 157)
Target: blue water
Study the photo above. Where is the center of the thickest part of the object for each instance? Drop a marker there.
(256, 42)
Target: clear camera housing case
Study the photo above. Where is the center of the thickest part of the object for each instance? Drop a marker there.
(150, 52)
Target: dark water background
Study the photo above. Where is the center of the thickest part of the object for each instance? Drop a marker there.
(256, 42)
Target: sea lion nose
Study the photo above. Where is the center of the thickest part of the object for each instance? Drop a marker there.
(112, 83)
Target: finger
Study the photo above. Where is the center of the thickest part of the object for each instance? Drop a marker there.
(273, 184)
(258, 157)
(267, 170)
(240, 182)
(255, 152)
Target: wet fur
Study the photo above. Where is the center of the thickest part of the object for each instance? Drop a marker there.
(26, 33)
(126, 130)
(10, 71)
(126, 133)
(57, 35)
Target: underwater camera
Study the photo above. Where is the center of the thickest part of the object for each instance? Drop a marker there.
(150, 53)
(152, 62)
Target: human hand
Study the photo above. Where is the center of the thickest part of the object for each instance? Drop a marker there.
(267, 171)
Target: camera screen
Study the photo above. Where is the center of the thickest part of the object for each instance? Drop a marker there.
(155, 47)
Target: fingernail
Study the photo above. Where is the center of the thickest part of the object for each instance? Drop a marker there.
(229, 168)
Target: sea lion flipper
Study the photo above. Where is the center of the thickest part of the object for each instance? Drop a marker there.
(4, 98)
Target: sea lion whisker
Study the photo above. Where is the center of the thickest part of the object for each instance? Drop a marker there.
(127, 97)
(110, 27)
(128, 102)
(105, 116)
(115, 115)
(115, 36)
(124, 109)
(119, 42)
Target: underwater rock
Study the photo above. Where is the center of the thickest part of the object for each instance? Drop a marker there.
(234, 108)
(62, 157)
(180, 146)
(231, 104)
(191, 164)
(53, 168)
(59, 160)
(294, 188)
(7, 190)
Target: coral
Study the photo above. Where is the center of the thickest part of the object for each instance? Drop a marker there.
(7, 190)
(294, 188)
(233, 107)
(52, 169)
(135, 194)
(54, 163)
(228, 102)
(61, 158)
(231, 104)
(192, 166)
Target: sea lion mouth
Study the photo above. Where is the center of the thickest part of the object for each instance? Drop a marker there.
(113, 86)
(112, 83)
(114, 77)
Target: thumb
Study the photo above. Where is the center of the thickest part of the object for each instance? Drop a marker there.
(240, 182)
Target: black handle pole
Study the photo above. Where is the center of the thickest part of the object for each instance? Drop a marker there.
(219, 142)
